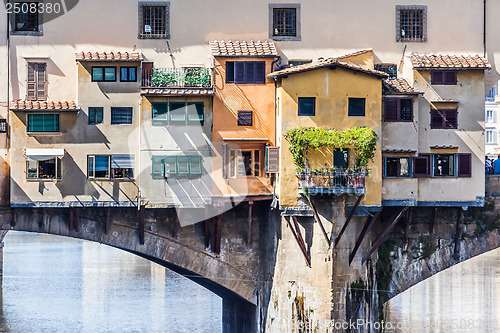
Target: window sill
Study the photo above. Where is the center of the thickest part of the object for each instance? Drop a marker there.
(44, 133)
(27, 33)
(44, 180)
(286, 38)
(130, 180)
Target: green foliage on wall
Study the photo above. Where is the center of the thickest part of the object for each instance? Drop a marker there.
(362, 139)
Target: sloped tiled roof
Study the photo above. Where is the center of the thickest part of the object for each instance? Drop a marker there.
(399, 151)
(443, 147)
(320, 63)
(109, 56)
(237, 48)
(177, 92)
(448, 61)
(396, 86)
(353, 54)
(44, 105)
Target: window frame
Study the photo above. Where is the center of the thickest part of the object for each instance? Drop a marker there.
(398, 118)
(398, 167)
(95, 108)
(115, 108)
(349, 105)
(443, 113)
(403, 39)
(493, 118)
(433, 165)
(14, 18)
(37, 68)
(128, 68)
(444, 77)
(233, 69)
(43, 114)
(190, 160)
(110, 173)
(58, 170)
(245, 118)
(300, 106)
(494, 136)
(103, 73)
(286, 6)
(233, 157)
(189, 118)
(142, 34)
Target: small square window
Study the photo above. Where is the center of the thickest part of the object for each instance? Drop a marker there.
(307, 106)
(154, 20)
(284, 21)
(25, 18)
(121, 115)
(95, 116)
(356, 107)
(411, 23)
(128, 74)
(245, 118)
(397, 167)
(444, 119)
(439, 77)
(443, 165)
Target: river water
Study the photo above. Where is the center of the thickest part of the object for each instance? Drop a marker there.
(464, 298)
(57, 284)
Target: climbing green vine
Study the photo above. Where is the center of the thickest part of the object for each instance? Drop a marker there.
(362, 139)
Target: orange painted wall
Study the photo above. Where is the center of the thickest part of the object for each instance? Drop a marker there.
(228, 99)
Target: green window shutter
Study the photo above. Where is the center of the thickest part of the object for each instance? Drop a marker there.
(177, 111)
(170, 165)
(195, 111)
(97, 74)
(158, 166)
(272, 159)
(160, 113)
(195, 165)
(92, 116)
(183, 165)
(98, 116)
(48, 123)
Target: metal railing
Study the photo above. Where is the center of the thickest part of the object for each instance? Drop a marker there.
(177, 77)
(339, 181)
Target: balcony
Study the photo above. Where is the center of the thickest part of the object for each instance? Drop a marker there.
(177, 81)
(333, 181)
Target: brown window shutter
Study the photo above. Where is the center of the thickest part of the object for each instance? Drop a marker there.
(272, 159)
(391, 109)
(451, 118)
(421, 167)
(31, 86)
(465, 165)
(260, 72)
(225, 161)
(437, 77)
(41, 85)
(450, 77)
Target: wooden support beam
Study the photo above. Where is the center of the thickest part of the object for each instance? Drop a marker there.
(218, 232)
(71, 218)
(77, 219)
(369, 222)
(299, 233)
(250, 217)
(141, 224)
(458, 235)
(13, 219)
(42, 219)
(207, 227)
(433, 219)
(317, 219)
(302, 249)
(409, 217)
(108, 221)
(214, 234)
(351, 214)
(175, 231)
(394, 220)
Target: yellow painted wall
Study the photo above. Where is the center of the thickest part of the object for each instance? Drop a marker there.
(332, 88)
(228, 99)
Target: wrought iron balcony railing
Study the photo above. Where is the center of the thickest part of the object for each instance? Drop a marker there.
(177, 78)
(326, 181)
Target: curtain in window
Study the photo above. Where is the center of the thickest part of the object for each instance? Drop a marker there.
(122, 161)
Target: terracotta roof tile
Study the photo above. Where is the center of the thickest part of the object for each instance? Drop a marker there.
(443, 147)
(229, 48)
(320, 63)
(448, 61)
(109, 56)
(398, 86)
(177, 91)
(44, 105)
(399, 151)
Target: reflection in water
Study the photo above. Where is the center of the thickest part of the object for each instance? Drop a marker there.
(57, 284)
(464, 298)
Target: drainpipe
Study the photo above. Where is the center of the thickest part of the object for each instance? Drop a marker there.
(484, 28)
(275, 104)
(7, 138)
(139, 157)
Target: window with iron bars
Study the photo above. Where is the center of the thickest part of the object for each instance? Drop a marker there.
(154, 20)
(284, 21)
(411, 23)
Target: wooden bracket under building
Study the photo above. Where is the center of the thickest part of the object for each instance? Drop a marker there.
(42, 219)
(175, 231)
(108, 221)
(369, 222)
(351, 214)
(433, 219)
(409, 216)
(317, 219)
(141, 225)
(77, 219)
(298, 237)
(250, 217)
(207, 227)
(71, 218)
(394, 220)
(13, 218)
(458, 234)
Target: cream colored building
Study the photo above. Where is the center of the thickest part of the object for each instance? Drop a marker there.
(175, 34)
